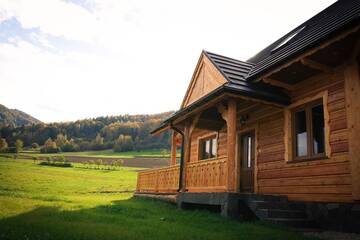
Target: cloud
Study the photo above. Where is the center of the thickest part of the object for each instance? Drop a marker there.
(104, 57)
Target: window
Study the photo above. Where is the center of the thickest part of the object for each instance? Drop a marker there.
(208, 148)
(309, 131)
(288, 38)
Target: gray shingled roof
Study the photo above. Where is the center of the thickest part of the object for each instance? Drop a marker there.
(341, 14)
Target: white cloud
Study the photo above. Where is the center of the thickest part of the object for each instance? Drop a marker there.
(142, 52)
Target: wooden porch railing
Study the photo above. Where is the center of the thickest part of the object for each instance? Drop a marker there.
(202, 176)
(207, 176)
(161, 180)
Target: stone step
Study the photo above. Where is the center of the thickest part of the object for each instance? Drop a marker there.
(277, 205)
(292, 222)
(280, 213)
(257, 197)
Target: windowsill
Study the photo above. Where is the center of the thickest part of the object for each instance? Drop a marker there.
(308, 159)
(208, 159)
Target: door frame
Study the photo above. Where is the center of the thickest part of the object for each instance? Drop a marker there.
(254, 128)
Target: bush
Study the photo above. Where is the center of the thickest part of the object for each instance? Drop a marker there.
(49, 150)
(68, 147)
(11, 150)
(56, 164)
(35, 146)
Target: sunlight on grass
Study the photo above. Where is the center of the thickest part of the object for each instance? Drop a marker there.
(43, 202)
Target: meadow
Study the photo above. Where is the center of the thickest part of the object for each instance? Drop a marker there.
(106, 154)
(44, 202)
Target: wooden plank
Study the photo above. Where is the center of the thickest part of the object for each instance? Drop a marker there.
(307, 181)
(335, 189)
(338, 147)
(306, 171)
(352, 89)
(321, 197)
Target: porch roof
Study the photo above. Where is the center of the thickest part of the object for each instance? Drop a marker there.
(254, 91)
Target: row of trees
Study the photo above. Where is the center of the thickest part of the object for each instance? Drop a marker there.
(4, 147)
(122, 133)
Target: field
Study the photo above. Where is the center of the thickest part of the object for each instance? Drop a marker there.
(108, 154)
(43, 202)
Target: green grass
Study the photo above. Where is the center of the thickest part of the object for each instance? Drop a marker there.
(42, 202)
(106, 154)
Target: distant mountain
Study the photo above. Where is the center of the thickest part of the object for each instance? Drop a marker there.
(15, 117)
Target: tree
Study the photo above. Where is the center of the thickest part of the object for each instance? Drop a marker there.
(123, 143)
(99, 140)
(49, 147)
(19, 145)
(3, 145)
(60, 140)
(50, 143)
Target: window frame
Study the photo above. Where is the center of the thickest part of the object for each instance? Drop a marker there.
(201, 141)
(307, 108)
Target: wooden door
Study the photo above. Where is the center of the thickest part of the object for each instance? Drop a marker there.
(247, 160)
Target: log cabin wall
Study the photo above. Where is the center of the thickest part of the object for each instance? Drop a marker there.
(323, 180)
(207, 175)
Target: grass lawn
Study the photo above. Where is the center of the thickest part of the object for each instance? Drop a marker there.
(107, 154)
(42, 202)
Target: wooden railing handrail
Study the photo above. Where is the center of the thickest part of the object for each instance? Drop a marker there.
(159, 169)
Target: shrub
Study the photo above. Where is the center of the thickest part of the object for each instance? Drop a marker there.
(11, 150)
(35, 146)
(49, 150)
(56, 164)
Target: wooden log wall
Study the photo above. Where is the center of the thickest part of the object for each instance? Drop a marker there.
(324, 180)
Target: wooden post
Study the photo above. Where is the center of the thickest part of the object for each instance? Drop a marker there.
(186, 156)
(352, 94)
(231, 145)
(188, 130)
(173, 149)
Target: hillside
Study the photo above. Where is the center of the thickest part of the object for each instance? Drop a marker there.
(15, 117)
(121, 133)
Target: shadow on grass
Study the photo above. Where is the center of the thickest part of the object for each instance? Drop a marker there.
(132, 219)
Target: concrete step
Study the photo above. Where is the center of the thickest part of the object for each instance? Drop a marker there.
(280, 213)
(278, 205)
(257, 197)
(292, 222)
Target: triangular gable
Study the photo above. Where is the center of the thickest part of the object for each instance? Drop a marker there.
(206, 78)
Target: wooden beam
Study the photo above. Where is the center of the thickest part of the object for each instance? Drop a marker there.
(316, 65)
(356, 50)
(186, 156)
(352, 94)
(223, 111)
(231, 145)
(278, 83)
(173, 149)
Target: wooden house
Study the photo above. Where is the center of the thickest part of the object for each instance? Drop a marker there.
(283, 125)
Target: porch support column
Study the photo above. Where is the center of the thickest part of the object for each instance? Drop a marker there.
(352, 94)
(173, 149)
(231, 145)
(188, 130)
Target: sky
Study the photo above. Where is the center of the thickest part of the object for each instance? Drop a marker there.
(63, 60)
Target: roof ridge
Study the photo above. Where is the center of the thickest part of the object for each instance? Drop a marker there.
(216, 54)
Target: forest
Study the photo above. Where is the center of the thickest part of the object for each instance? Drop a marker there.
(121, 133)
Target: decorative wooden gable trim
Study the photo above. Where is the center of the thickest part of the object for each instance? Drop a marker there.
(206, 78)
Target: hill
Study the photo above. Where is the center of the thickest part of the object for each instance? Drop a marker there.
(14, 117)
(121, 133)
